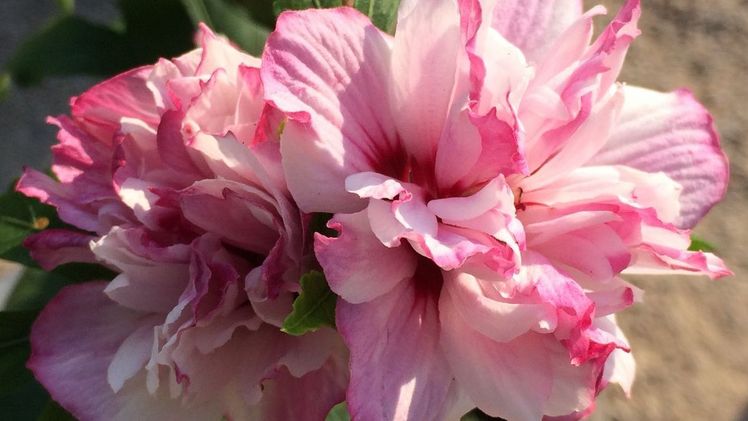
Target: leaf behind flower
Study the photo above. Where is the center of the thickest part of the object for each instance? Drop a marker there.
(699, 244)
(313, 308)
(231, 19)
(339, 412)
(383, 13)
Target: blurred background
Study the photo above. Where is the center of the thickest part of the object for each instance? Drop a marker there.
(690, 336)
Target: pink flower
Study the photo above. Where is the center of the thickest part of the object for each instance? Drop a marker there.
(174, 173)
(490, 182)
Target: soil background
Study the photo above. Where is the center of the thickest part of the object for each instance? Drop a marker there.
(690, 336)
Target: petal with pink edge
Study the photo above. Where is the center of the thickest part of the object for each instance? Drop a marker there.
(102, 107)
(620, 367)
(672, 133)
(522, 379)
(328, 71)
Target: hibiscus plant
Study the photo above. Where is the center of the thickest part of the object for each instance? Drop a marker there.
(345, 209)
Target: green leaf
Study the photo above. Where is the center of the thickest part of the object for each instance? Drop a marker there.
(23, 403)
(313, 308)
(338, 412)
(261, 11)
(698, 244)
(21, 216)
(383, 13)
(282, 5)
(14, 349)
(68, 45)
(15, 326)
(34, 289)
(154, 29)
(54, 412)
(231, 19)
(21, 397)
(13, 369)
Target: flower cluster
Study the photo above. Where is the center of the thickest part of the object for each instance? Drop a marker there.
(173, 171)
(490, 182)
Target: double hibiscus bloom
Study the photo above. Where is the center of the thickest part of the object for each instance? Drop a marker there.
(489, 182)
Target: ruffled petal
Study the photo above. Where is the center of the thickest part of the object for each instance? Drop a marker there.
(357, 265)
(73, 342)
(497, 319)
(102, 107)
(674, 134)
(509, 380)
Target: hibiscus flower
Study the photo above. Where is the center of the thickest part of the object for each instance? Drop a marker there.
(490, 183)
(172, 173)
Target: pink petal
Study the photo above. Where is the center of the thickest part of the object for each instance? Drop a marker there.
(171, 144)
(397, 367)
(492, 84)
(499, 320)
(309, 397)
(574, 91)
(82, 163)
(238, 213)
(620, 367)
(495, 195)
(357, 265)
(373, 185)
(53, 247)
(568, 47)
(591, 256)
(423, 73)
(102, 107)
(156, 269)
(588, 188)
(131, 356)
(219, 53)
(534, 25)
(618, 296)
(328, 70)
(542, 379)
(485, 367)
(674, 134)
(461, 142)
(581, 146)
(73, 342)
(613, 44)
